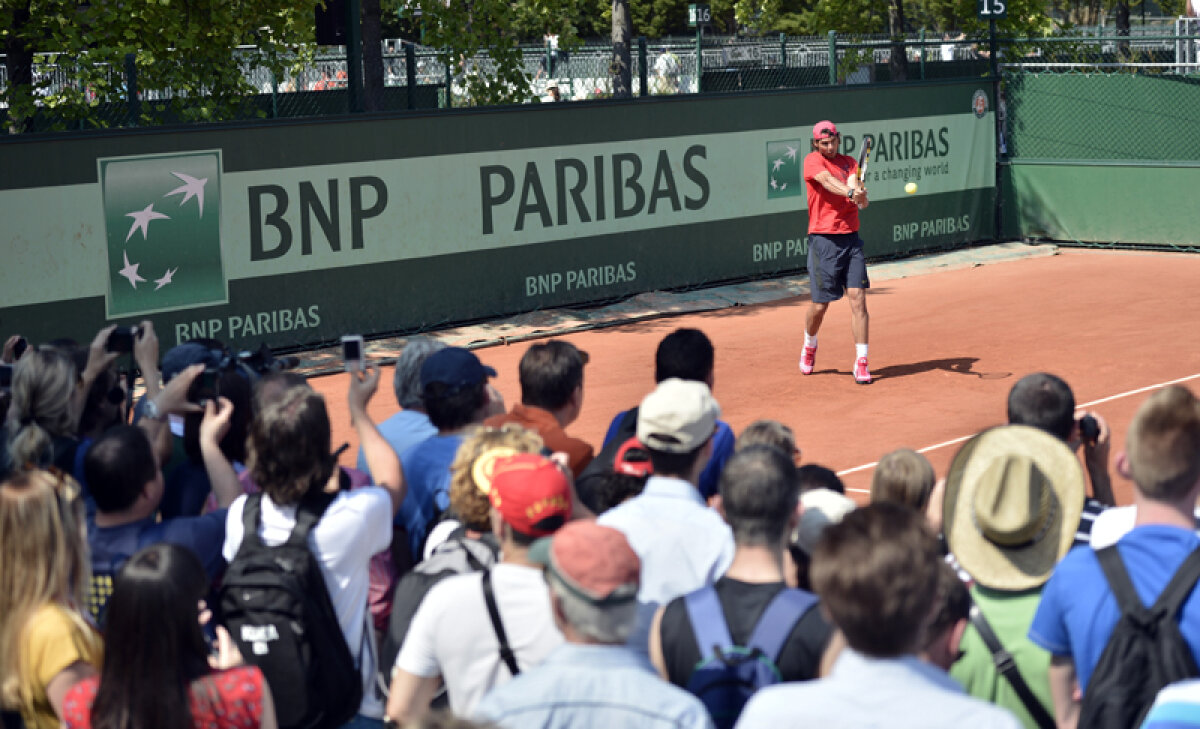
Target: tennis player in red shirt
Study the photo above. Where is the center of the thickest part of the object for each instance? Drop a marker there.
(835, 251)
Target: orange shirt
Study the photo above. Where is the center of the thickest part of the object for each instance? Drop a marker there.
(544, 423)
(829, 212)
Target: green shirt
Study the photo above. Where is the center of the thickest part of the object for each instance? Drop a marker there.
(1009, 614)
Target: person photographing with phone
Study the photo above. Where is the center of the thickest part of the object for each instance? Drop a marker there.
(836, 264)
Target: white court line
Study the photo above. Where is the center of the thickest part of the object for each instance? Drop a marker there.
(1081, 406)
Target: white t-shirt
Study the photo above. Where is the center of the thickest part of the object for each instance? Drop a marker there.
(357, 525)
(452, 636)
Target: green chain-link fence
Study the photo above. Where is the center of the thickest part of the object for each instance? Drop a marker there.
(1104, 98)
(1157, 69)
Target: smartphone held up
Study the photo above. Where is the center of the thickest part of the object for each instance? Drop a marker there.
(353, 356)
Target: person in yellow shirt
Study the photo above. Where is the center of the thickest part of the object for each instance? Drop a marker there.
(46, 644)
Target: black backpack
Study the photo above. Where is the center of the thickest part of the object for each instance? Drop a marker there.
(1146, 650)
(277, 609)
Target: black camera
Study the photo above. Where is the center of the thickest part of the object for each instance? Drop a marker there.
(1089, 429)
(122, 338)
(205, 387)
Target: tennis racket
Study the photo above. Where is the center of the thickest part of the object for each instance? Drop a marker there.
(864, 156)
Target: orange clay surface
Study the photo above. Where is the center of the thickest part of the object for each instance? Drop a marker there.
(946, 346)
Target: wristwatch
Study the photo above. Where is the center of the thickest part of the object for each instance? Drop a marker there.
(850, 194)
(150, 410)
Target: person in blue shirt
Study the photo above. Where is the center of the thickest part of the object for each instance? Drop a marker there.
(128, 487)
(455, 391)
(1078, 611)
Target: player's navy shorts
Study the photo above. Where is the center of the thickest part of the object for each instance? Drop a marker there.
(835, 263)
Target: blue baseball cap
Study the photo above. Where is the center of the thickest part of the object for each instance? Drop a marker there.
(455, 368)
(179, 358)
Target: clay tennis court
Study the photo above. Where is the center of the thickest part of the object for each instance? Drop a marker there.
(946, 345)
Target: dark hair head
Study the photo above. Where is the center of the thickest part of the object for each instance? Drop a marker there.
(102, 408)
(118, 466)
(813, 476)
(602, 490)
(237, 388)
(674, 464)
(877, 574)
(289, 446)
(450, 408)
(686, 354)
(759, 493)
(550, 372)
(145, 680)
(1043, 401)
(953, 602)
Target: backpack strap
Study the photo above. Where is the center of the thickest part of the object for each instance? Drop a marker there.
(1181, 585)
(778, 620)
(250, 517)
(708, 621)
(1006, 665)
(308, 512)
(506, 651)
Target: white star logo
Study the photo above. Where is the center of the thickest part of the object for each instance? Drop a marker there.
(192, 188)
(774, 184)
(778, 163)
(130, 271)
(166, 278)
(142, 218)
(791, 153)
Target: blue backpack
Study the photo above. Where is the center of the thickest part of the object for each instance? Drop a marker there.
(727, 674)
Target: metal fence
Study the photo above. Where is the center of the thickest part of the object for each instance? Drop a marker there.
(314, 83)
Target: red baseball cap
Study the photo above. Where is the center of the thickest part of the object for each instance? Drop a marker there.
(594, 562)
(824, 129)
(531, 494)
(633, 459)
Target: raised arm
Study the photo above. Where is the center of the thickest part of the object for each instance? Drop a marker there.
(380, 456)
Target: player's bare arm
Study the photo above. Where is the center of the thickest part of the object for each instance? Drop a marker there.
(837, 187)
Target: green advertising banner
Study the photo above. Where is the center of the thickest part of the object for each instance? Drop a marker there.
(293, 234)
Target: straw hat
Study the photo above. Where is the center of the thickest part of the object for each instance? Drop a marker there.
(1014, 495)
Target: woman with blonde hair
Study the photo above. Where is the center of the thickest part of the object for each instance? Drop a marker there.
(46, 644)
(49, 393)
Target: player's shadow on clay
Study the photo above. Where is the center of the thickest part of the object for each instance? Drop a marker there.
(956, 365)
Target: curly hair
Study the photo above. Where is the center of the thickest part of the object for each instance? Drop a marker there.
(466, 499)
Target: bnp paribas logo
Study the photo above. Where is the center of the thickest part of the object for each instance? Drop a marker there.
(784, 163)
(162, 218)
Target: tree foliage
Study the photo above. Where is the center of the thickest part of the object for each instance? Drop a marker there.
(466, 30)
(184, 49)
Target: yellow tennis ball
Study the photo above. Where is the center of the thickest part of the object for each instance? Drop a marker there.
(910, 188)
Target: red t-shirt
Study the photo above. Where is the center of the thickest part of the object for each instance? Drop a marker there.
(235, 701)
(829, 212)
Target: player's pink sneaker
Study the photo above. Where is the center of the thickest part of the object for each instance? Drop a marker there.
(862, 375)
(808, 360)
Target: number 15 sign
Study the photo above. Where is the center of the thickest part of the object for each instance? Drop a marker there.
(992, 9)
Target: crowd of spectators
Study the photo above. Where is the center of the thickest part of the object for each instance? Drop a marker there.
(485, 567)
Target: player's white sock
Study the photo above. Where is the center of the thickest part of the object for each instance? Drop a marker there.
(860, 350)
(809, 340)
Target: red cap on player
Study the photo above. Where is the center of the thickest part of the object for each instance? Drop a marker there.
(824, 129)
